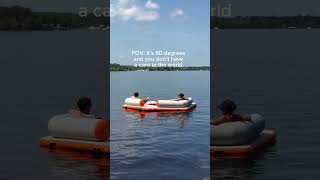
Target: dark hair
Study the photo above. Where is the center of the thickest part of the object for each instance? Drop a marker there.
(84, 103)
(227, 106)
(136, 94)
(181, 95)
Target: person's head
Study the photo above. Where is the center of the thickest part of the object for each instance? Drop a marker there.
(84, 105)
(136, 94)
(181, 95)
(227, 106)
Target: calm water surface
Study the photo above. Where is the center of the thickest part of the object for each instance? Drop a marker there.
(43, 74)
(275, 73)
(160, 145)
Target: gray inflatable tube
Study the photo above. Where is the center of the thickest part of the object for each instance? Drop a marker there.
(70, 127)
(237, 133)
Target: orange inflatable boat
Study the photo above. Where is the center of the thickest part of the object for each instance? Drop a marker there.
(159, 105)
(266, 139)
(53, 143)
(81, 134)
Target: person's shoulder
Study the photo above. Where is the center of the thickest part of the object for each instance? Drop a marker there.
(217, 118)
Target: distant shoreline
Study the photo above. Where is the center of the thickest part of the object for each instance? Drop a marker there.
(18, 18)
(266, 22)
(113, 67)
(56, 30)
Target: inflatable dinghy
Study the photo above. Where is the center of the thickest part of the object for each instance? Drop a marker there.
(240, 138)
(77, 133)
(160, 105)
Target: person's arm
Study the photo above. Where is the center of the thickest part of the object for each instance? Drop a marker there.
(245, 117)
(74, 112)
(217, 121)
(173, 99)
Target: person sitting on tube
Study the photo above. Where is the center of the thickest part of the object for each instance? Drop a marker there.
(84, 106)
(227, 108)
(84, 110)
(136, 96)
(180, 97)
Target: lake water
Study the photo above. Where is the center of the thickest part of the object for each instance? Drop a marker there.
(272, 72)
(275, 73)
(43, 74)
(160, 145)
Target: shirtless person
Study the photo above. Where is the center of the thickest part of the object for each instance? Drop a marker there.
(227, 108)
(84, 106)
(136, 96)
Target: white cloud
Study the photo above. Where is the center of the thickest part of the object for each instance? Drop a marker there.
(151, 5)
(177, 12)
(148, 16)
(126, 10)
(157, 32)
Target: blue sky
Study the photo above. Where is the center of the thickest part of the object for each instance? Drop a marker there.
(177, 25)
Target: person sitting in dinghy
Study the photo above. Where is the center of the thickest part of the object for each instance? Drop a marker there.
(180, 97)
(136, 96)
(227, 108)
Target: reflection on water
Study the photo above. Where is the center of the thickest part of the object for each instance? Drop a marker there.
(240, 168)
(78, 165)
(180, 117)
(233, 169)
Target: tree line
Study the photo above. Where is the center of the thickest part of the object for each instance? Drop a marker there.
(251, 22)
(119, 67)
(20, 18)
